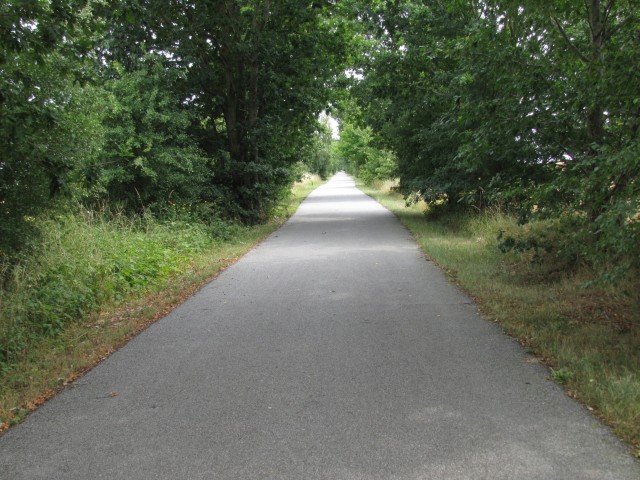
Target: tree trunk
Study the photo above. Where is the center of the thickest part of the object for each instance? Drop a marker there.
(231, 115)
(240, 52)
(595, 68)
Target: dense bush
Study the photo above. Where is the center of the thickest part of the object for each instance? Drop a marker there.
(149, 157)
(87, 260)
(362, 156)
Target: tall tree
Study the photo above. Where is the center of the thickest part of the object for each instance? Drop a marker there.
(258, 73)
(521, 102)
(37, 66)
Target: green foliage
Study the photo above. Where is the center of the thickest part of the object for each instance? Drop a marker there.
(87, 260)
(149, 157)
(256, 74)
(548, 247)
(31, 171)
(516, 104)
(561, 376)
(37, 67)
(353, 145)
(320, 156)
(380, 165)
(109, 102)
(362, 157)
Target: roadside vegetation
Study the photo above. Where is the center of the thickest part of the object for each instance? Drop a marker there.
(587, 333)
(96, 279)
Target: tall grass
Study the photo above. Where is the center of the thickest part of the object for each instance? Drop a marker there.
(86, 260)
(588, 333)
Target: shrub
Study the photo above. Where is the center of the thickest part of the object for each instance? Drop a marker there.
(86, 260)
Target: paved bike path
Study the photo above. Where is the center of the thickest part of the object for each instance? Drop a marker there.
(334, 350)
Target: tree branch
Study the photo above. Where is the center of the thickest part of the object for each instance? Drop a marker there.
(608, 9)
(587, 11)
(576, 50)
(590, 10)
(612, 31)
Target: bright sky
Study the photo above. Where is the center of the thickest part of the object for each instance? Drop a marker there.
(333, 123)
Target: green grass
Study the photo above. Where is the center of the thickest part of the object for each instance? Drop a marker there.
(95, 280)
(589, 337)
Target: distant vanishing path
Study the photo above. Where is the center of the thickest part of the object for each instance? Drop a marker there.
(332, 351)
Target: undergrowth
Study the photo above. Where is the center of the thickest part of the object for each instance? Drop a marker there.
(83, 261)
(587, 331)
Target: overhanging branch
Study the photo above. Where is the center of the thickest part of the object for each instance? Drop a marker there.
(573, 47)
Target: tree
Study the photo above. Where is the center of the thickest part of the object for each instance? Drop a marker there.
(37, 64)
(257, 72)
(530, 105)
(149, 157)
(319, 157)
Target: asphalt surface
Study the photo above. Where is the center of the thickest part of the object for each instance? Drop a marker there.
(334, 350)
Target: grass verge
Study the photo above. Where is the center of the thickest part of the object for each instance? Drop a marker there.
(98, 283)
(589, 337)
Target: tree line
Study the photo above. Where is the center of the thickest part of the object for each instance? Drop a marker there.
(212, 106)
(531, 107)
(147, 105)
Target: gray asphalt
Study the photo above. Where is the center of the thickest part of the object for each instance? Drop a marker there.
(334, 350)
